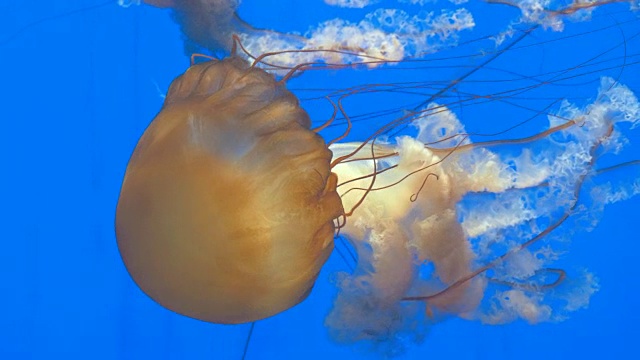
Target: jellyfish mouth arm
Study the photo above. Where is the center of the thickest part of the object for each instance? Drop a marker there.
(556, 162)
(474, 274)
(581, 144)
(401, 229)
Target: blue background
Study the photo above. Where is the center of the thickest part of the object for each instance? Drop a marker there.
(77, 92)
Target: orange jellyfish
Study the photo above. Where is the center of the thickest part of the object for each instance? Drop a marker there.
(230, 201)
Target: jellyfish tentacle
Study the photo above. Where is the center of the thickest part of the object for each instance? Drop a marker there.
(331, 118)
(561, 276)
(196, 56)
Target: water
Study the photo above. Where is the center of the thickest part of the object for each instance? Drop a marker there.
(81, 88)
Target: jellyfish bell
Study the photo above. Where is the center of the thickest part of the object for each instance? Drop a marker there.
(227, 206)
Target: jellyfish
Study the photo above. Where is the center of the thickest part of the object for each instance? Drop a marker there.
(232, 203)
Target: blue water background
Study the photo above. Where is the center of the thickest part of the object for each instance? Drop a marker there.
(78, 91)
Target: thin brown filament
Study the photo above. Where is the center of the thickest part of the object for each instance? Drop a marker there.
(501, 132)
(331, 119)
(237, 41)
(195, 56)
(339, 225)
(577, 6)
(234, 46)
(347, 118)
(414, 197)
(513, 141)
(617, 166)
